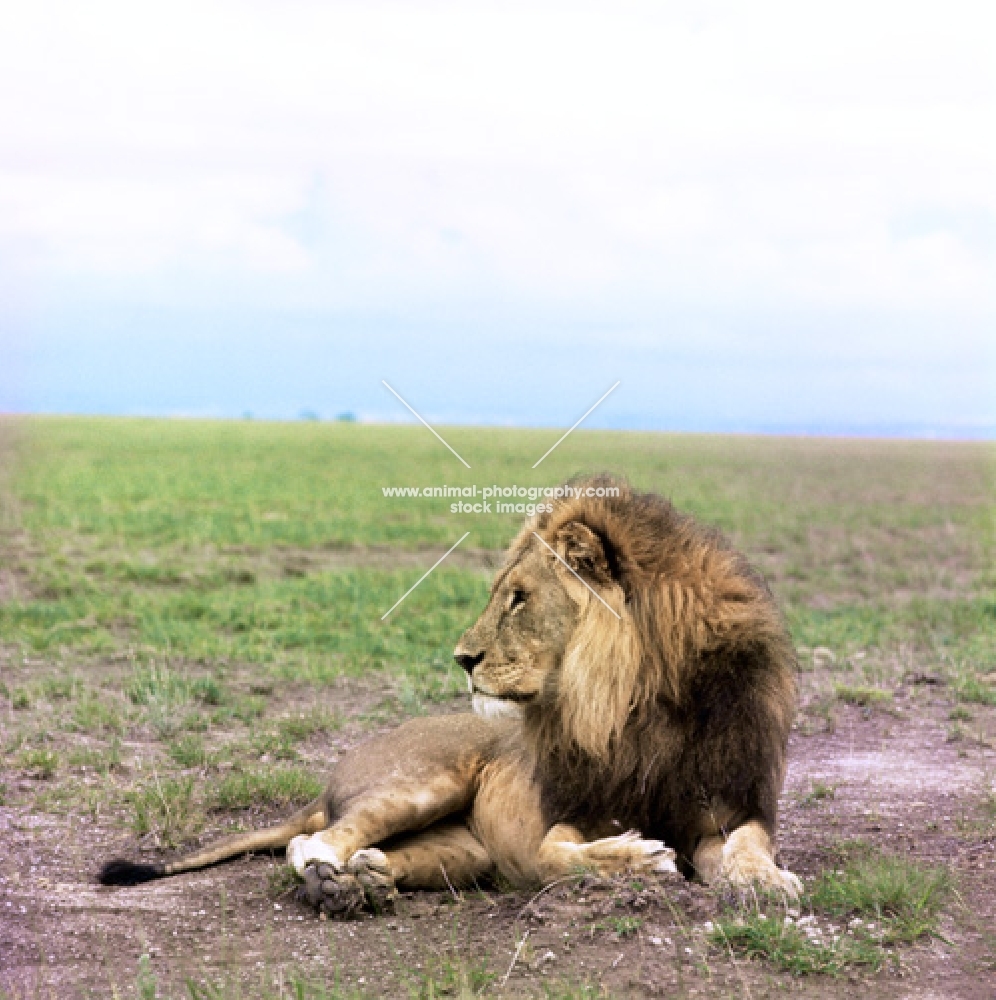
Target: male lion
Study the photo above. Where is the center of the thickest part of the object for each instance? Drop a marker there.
(629, 673)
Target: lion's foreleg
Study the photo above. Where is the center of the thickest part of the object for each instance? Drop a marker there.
(744, 858)
(382, 812)
(564, 851)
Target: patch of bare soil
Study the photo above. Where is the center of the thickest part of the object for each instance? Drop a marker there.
(898, 782)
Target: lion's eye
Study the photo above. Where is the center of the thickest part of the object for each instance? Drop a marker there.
(518, 598)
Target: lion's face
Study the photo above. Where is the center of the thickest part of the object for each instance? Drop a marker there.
(515, 648)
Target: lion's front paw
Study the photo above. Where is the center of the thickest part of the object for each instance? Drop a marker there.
(781, 880)
(336, 894)
(629, 851)
(660, 857)
(743, 869)
(649, 855)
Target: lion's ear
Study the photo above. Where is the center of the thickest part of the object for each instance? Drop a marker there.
(584, 552)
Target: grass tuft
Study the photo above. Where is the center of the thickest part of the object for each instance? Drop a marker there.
(60, 688)
(156, 684)
(969, 687)
(165, 807)
(865, 697)
(792, 948)
(266, 787)
(39, 763)
(92, 715)
(101, 760)
(273, 986)
(449, 977)
(874, 902)
(207, 691)
(904, 896)
(188, 751)
(297, 728)
(820, 791)
(567, 989)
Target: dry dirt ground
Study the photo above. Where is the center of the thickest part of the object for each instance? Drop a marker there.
(901, 779)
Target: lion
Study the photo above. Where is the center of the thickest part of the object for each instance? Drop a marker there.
(633, 686)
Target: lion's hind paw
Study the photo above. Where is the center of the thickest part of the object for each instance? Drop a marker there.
(373, 871)
(336, 894)
(303, 851)
(367, 884)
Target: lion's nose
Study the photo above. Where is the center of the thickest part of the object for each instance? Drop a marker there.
(468, 660)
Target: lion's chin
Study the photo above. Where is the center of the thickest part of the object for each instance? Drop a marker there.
(490, 707)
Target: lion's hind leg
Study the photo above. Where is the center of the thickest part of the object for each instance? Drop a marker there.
(564, 851)
(446, 856)
(385, 810)
(744, 859)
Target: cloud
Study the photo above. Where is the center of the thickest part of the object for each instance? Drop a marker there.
(565, 162)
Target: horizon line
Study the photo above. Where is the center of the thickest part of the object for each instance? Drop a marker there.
(898, 431)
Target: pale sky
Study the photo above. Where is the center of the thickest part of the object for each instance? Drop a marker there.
(766, 216)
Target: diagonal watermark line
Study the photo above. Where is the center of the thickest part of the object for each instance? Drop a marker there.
(438, 436)
(554, 551)
(427, 572)
(616, 386)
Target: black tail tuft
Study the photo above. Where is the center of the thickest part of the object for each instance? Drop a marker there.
(120, 872)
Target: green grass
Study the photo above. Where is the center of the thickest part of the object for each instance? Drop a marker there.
(450, 977)
(901, 894)
(620, 927)
(92, 714)
(283, 786)
(184, 538)
(787, 946)
(876, 901)
(973, 689)
(273, 983)
(317, 628)
(59, 688)
(40, 762)
(866, 697)
(305, 724)
(157, 684)
(165, 807)
(188, 750)
(566, 989)
(185, 586)
(102, 760)
(819, 792)
(987, 807)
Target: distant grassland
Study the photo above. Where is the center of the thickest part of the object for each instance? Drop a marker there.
(246, 543)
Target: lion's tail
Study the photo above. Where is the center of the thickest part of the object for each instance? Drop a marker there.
(308, 819)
